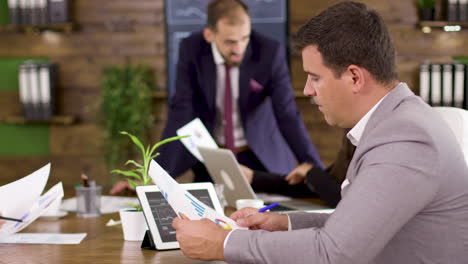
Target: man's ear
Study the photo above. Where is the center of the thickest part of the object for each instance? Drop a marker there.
(208, 34)
(356, 76)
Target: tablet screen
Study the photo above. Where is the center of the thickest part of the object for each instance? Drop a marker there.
(163, 213)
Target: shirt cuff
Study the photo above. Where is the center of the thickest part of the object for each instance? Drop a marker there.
(227, 237)
(232, 231)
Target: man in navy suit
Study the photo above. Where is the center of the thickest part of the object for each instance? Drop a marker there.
(237, 82)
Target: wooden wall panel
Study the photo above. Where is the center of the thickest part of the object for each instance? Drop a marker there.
(398, 11)
(113, 32)
(9, 103)
(76, 140)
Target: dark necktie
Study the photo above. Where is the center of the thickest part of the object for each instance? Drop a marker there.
(228, 129)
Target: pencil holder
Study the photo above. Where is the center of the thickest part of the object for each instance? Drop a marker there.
(88, 201)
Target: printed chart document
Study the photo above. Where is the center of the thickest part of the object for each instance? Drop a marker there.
(20, 199)
(199, 136)
(183, 203)
(26, 190)
(43, 238)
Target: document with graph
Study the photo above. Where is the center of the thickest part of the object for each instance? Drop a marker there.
(183, 203)
(199, 137)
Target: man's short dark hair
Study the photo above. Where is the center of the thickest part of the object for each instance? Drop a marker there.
(224, 8)
(350, 33)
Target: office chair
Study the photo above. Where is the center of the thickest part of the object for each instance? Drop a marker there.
(457, 119)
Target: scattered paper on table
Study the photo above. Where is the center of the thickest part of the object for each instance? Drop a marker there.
(112, 222)
(43, 238)
(183, 203)
(18, 196)
(27, 188)
(36, 210)
(199, 137)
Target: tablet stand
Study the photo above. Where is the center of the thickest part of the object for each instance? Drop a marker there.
(148, 242)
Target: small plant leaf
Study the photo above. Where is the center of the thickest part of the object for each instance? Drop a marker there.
(134, 163)
(132, 183)
(147, 181)
(135, 140)
(155, 155)
(167, 140)
(134, 205)
(128, 173)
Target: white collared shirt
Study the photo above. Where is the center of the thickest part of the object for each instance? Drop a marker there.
(355, 134)
(239, 137)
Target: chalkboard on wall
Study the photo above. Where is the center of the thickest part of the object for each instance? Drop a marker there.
(269, 17)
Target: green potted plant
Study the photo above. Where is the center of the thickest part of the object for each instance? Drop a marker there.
(427, 8)
(126, 104)
(133, 222)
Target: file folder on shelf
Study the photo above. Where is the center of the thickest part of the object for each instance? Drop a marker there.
(463, 10)
(59, 11)
(447, 85)
(452, 10)
(14, 11)
(424, 82)
(37, 89)
(459, 85)
(435, 89)
(24, 93)
(444, 84)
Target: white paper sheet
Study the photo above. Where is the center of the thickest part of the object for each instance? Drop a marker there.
(35, 210)
(43, 238)
(18, 196)
(109, 204)
(199, 136)
(183, 203)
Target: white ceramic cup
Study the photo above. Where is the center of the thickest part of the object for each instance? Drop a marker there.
(255, 203)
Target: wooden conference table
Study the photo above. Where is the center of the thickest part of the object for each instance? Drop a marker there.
(102, 244)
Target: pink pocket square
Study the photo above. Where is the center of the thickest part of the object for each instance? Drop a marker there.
(255, 86)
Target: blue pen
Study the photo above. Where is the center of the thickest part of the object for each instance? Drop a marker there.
(268, 207)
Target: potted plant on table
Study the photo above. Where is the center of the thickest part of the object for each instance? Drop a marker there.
(133, 222)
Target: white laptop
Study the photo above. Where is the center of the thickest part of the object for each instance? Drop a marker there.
(223, 168)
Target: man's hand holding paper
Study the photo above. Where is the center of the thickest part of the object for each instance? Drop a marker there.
(183, 203)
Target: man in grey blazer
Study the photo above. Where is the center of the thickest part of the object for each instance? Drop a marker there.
(405, 197)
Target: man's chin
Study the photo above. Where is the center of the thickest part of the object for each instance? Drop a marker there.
(234, 63)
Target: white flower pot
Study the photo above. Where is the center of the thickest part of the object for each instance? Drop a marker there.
(133, 224)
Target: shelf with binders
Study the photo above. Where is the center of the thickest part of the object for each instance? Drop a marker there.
(444, 84)
(34, 16)
(448, 26)
(54, 120)
(59, 27)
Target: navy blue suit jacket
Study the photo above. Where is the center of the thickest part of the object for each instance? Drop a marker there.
(272, 124)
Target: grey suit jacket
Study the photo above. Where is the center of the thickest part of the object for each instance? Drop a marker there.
(407, 201)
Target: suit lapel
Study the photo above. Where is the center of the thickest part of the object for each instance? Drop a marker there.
(392, 100)
(245, 70)
(208, 84)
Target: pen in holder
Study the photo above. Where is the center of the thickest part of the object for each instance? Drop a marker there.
(88, 200)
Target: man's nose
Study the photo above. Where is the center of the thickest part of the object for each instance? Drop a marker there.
(236, 48)
(309, 90)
